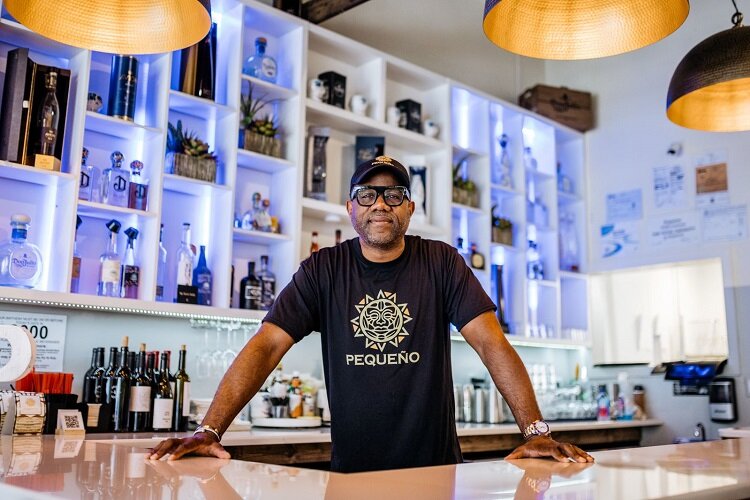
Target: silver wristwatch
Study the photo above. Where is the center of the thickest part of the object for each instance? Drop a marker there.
(536, 428)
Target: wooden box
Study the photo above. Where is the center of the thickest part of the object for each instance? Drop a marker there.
(566, 106)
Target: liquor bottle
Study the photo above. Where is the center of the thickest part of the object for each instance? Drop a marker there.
(184, 260)
(534, 266)
(150, 370)
(49, 116)
(109, 264)
(198, 67)
(87, 185)
(250, 289)
(564, 183)
(250, 218)
(318, 168)
(161, 267)
(104, 396)
(267, 284)
(497, 276)
(89, 378)
(163, 401)
(75, 275)
(123, 85)
(338, 237)
(119, 391)
(314, 247)
(20, 261)
(138, 195)
(115, 181)
(202, 279)
(261, 65)
(569, 252)
(181, 394)
(140, 395)
(529, 162)
(130, 270)
(476, 258)
(502, 173)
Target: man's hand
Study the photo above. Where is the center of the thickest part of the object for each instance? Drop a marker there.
(202, 444)
(544, 446)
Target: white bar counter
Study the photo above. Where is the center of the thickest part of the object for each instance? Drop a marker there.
(64, 467)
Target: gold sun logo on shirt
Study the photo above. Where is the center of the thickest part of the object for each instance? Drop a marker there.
(381, 320)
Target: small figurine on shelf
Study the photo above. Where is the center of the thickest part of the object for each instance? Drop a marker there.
(263, 221)
(189, 156)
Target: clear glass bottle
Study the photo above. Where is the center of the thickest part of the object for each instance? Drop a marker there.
(86, 182)
(202, 279)
(267, 284)
(117, 182)
(261, 65)
(569, 251)
(184, 259)
(534, 268)
(161, 267)
(564, 183)
(49, 116)
(501, 174)
(130, 270)
(529, 162)
(109, 264)
(250, 218)
(20, 261)
(75, 275)
(138, 192)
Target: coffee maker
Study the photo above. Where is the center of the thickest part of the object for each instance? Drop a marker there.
(722, 400)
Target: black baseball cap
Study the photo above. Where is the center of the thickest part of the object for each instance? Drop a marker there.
(381, 163)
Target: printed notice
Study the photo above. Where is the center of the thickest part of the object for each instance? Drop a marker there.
(725, 223)
(669, 187)
(626, 205)
(48, 331)
(676, 230)
(618, 239)
(711, 184)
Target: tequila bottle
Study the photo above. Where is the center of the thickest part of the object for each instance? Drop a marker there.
(202, 279)
(529, 162)
(116, 181)
(161, 267)
(49, 116)
(130, 270)
(89, 180)
(75, 275)
(109, 264)
(261, 65)
(138, 195)
(185, 258)
(267, 284)
(501, 174)
(20, 261)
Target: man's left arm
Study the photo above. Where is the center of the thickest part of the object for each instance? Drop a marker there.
(508, 372)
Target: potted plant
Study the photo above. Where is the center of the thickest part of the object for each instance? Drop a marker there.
(258, 134)
(188, 155)
(464, 190)
(502, 229)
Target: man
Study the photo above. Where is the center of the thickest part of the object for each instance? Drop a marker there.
(383, 303)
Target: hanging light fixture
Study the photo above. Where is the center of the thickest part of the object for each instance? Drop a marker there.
(580, 29)
(710, 89)
(117, 26)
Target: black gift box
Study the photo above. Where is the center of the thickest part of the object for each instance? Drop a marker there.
(335, 85)
(19, 127)
(411, 115)
(187, 294)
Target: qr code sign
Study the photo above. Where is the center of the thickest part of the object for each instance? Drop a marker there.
(71, 422)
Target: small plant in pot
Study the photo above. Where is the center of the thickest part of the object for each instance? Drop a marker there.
(502, 229)
(258, 133)
(188, 155)
(464, 190)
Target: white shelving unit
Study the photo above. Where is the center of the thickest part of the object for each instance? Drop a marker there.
(469, 125)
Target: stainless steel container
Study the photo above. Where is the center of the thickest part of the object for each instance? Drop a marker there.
(468, 403)
(480, 405)
(457, 404)
(495, 407)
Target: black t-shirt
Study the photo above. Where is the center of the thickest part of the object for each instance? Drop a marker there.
(385, 331)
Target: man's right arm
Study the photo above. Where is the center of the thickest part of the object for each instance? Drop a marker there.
(244, 378)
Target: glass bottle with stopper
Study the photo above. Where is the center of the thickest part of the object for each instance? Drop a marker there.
(20, 261)
(116, 180)
(138, 195)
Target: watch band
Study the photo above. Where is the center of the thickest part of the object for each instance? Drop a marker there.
(209, 429)
(536, 428)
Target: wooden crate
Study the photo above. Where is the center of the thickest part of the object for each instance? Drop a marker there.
(566, 106)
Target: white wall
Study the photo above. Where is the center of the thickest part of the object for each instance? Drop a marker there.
(632, 136)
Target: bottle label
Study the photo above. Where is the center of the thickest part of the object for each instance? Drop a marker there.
(23, 264)
(185, 271)
(162, 414)
(49, 137)
(76, 268)
(130, 276)
(253, 293)
(110, 271)
(159, 292)
(186, 400)
(268, 68)
(269, 290)
(140, 399)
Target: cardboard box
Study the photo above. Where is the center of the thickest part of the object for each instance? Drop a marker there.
(561, 104)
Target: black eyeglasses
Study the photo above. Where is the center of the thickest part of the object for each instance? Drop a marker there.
(392, 195)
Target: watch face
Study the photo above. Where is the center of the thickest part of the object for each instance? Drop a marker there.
(542, 427)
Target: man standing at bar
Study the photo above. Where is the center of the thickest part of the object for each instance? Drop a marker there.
(383, 303)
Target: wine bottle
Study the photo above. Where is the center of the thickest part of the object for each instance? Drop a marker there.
(250, 290)
(181, 394)
(89, 378)
(163, 401)
(140, 395)
(100, 377)
(119, 390)
(104, 395)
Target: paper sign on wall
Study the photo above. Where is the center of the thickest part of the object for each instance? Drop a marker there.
(48, 331)
(626, 205)
(725, 223)
(711, 182)
(618, 239)
(669, 187)
(676, 230)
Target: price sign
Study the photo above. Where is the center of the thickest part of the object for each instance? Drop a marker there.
(48, 331)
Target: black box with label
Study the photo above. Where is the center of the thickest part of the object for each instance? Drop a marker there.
(187, 294)
(335, 85)
(411, 115)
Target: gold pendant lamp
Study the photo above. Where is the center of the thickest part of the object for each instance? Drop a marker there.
(116, 26)
(710, 89)
(580, 29)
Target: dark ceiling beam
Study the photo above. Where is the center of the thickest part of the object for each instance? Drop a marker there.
(317, 11)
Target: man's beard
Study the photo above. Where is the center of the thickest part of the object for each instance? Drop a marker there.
(383, 240)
